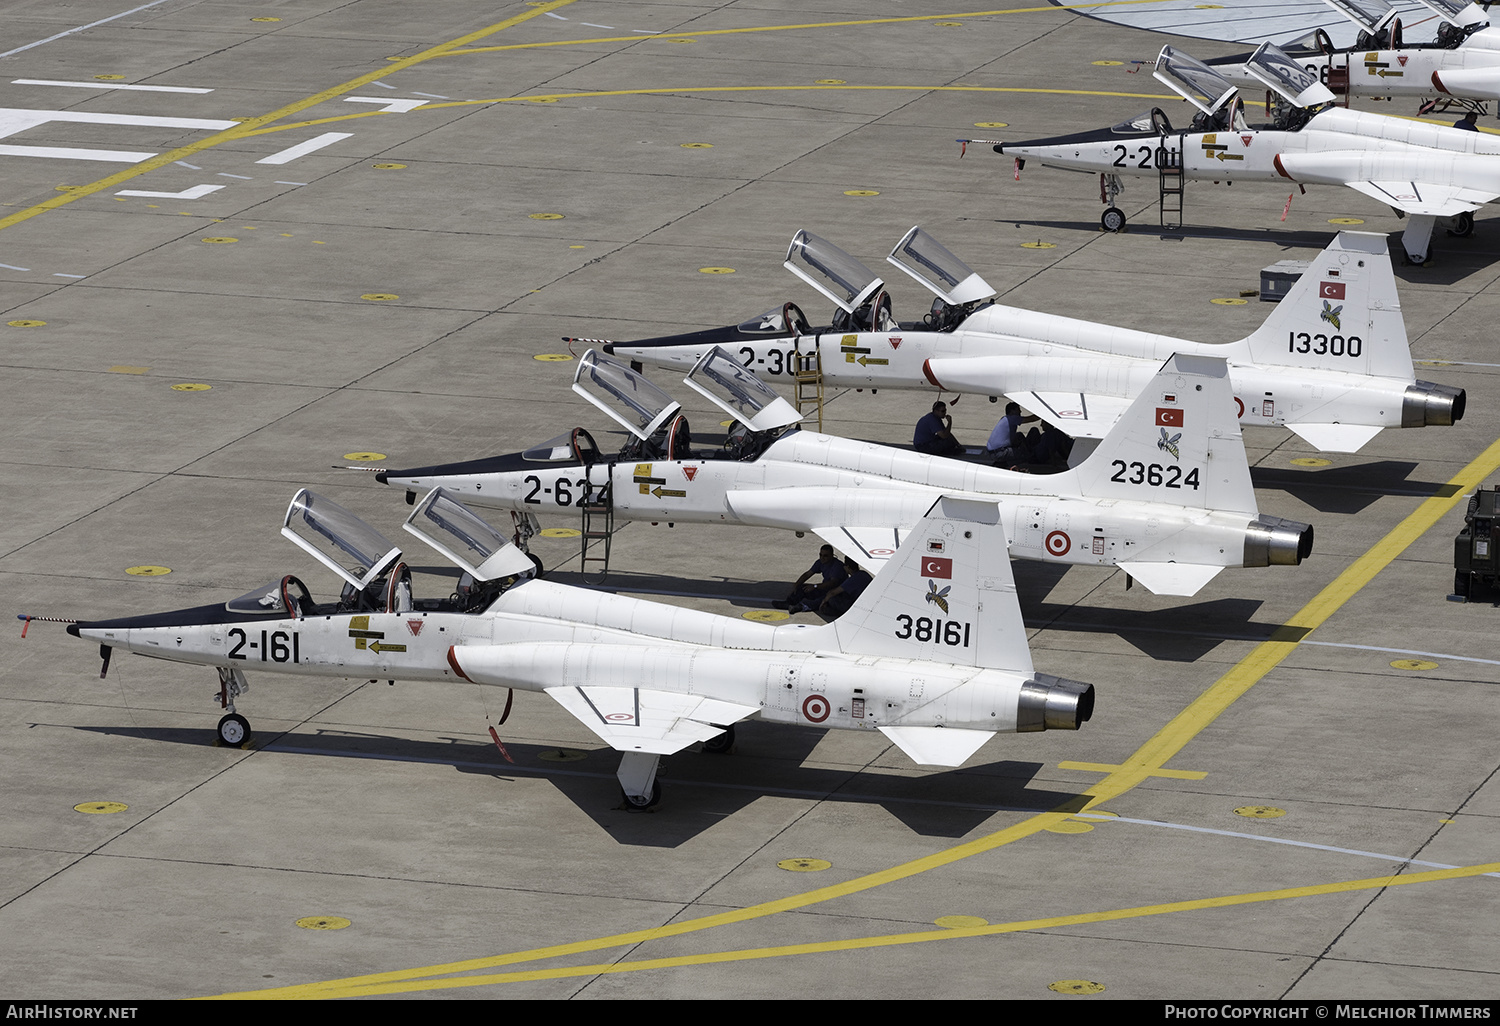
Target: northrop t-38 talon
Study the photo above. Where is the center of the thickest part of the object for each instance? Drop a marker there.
(933, 654)
(1331, 362)
(1166, 496)
(1425, 172)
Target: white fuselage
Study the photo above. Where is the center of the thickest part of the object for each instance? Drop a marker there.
(1471, 70)
(540, 635)
(807, 481)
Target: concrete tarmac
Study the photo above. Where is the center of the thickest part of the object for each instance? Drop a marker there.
(1292, 772)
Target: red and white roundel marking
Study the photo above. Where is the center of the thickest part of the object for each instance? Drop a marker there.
(1058, 543)
(617, 717)
(882, 552)
(1239, 407)
(815, 708)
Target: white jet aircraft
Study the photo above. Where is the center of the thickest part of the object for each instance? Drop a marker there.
(933, 654)
(1331, 362)
(1423, 171)
(1462, 63)
(1166, 496)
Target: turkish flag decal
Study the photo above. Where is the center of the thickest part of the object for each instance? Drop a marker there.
(933, 566)
(1331, 290)
(1168, 418)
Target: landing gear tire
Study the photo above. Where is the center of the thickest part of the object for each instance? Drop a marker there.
(1112, 220)
(1463, 225)
(1418, 261)
(234, 730)
(722, 744)
(640, 802)
(537, 561)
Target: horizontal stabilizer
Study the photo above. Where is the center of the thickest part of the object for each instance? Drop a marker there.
(1077, 414)
(643, 720)
(1335, 437)
(1172, 578)
(1424, 197)
(870, 547)
(937, 746)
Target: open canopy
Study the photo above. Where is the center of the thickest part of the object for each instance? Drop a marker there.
(338, 539)
(831, 271)
(443, 523)
(721, 379)
(1191, 79)
(1284, 76)
(928, 261)
(624, 396)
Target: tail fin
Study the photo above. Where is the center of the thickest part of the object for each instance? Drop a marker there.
(1179, 442)
(1343, 314)
(947, 595)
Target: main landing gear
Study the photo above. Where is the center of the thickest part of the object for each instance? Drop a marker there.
(638, 784)
(1113, 218)
(234, 730)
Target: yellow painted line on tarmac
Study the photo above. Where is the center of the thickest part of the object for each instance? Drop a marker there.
(894, 940)
(674, 36)
(1144, 764)
(251, 124)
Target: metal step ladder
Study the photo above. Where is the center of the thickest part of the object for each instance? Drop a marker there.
(1169, 182)
(808, 376)
(598, 531)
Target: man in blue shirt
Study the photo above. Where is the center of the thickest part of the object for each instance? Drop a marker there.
(838, 601)
(806, 596)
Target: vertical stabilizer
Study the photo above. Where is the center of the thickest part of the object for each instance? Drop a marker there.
(1343, 314)
(947, 595)
(1179, 442)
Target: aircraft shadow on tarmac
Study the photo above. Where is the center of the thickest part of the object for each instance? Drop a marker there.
(700, 789)
(1313, 241)
(1348, 489)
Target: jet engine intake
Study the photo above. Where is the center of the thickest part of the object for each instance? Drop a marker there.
(1053, 703)
(1274, 541)
(1428, 405)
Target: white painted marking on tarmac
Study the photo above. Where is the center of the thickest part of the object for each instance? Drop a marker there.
(559, 17)
(389, 106)
(184, 163)
(13, 267)
(107, 85)
(290, 183)
(1105, 818)
(644, 32)
(196, 192)
(73, 153)
(226, 174)
(302, 149)
(59, 274)
(18, 119)
(80, 28)
(592, 25)
(433, 96)
(383, 85)
(1405, 651)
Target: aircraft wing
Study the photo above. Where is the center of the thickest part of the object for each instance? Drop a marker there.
(1422, 198)
(643, 720)
(1076, 413)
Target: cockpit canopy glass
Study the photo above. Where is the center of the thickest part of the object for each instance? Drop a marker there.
(624, 396)
(338, 539)
(445, 524)
(1294, 83)
(723, 381)
(266, 599)
(928, 261)
(831, 271)
(771, 323)
(1369, 15)
(553, 450)
(1193, 80)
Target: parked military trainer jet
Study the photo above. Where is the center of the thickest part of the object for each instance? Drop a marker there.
(1331, 362)
(938, 678)
(1166, 496)
(1423, 171)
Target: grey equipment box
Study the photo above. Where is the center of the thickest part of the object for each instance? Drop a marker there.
(1277, 280)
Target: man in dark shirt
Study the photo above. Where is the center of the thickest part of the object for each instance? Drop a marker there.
(838, 600)
(934, 434)
(806, 596)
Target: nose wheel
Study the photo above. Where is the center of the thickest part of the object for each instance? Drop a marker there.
(234, 731)
(1112, 220)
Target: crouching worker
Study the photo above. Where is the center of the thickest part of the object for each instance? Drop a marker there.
(840, 598)
(805, 596)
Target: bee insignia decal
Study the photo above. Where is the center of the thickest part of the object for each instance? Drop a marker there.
(938, 598)
(1167, 444)
(1331, 313)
